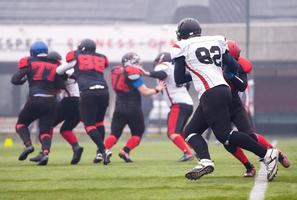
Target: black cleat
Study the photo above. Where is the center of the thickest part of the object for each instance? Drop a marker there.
(25, 153)
(37, 158)
(106, 159)
(186, 157)
(125, 156)
(77, 152)
(43, 160)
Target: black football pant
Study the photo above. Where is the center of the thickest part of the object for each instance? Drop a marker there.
(68, 111)
(127, 114)
(93, 106)
(43, 109)
(240, 119)
(214, 111)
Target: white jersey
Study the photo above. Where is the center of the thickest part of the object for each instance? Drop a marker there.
(203, 56)
(71, 86)
(174, 94)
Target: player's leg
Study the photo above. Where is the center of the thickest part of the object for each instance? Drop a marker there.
(88, 113)
(118, 123)
(217, 114)
(243, 124)
(46, 121)
(235, 110)
(135, 122)
(103, 104)
(72, 118)
(27, 115)
(193, 131)
(177, 118)
(59, 117)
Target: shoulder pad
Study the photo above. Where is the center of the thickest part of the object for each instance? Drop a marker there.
(70, 56)
(133, 71)
(23, 63)
(176, 50)
(245, 64)
(162, 67)
(118, 69)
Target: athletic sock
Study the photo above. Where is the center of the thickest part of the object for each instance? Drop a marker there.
(69, 136)
(101, 130)
(45, 141)
(132, 142)
(242, 140)
(262, 140)
(24, 134)
(96, 138)
(199, 145)
(110, 141)
(179, 141)
(239, 154)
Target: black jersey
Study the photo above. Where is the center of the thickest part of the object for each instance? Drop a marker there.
(40, 73)
(89, 69)
(126, 93)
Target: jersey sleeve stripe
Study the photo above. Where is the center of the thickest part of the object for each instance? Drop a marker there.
(203, 80)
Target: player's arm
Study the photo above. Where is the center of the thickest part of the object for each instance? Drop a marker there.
(65, 66)
(240, 81)
(158, 73)
(230, 65)
(161, 75)
(180, 75)
(70, 63)
(144, 90)
(20, 77)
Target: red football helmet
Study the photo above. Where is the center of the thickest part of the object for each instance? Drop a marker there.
(234, 49)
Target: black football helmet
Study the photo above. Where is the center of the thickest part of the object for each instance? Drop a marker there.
(87, 45)
(130, 58)
(162, 57)
(54, 55)
(188, 27)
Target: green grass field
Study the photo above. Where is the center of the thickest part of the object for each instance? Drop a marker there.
(155, 174)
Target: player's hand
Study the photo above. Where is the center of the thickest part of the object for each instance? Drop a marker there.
(161, 85)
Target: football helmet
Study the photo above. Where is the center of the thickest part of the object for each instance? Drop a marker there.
(188, 27)
(130, 58)
(37, 48)
(87, 45)
(162, 57)
(234, 49)
(54, 55)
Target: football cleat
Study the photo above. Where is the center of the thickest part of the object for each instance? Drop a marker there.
(186, 157)
(98, 157)
(25, 153)
(108, 153)
(284, 160)
(43, 161)
(106, 159)
(250, 172)
(125, 156)
(205, 166)
(270, 160)
(77, 152)
(37, 158)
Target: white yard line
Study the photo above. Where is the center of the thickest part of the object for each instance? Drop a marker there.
(259, 189)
